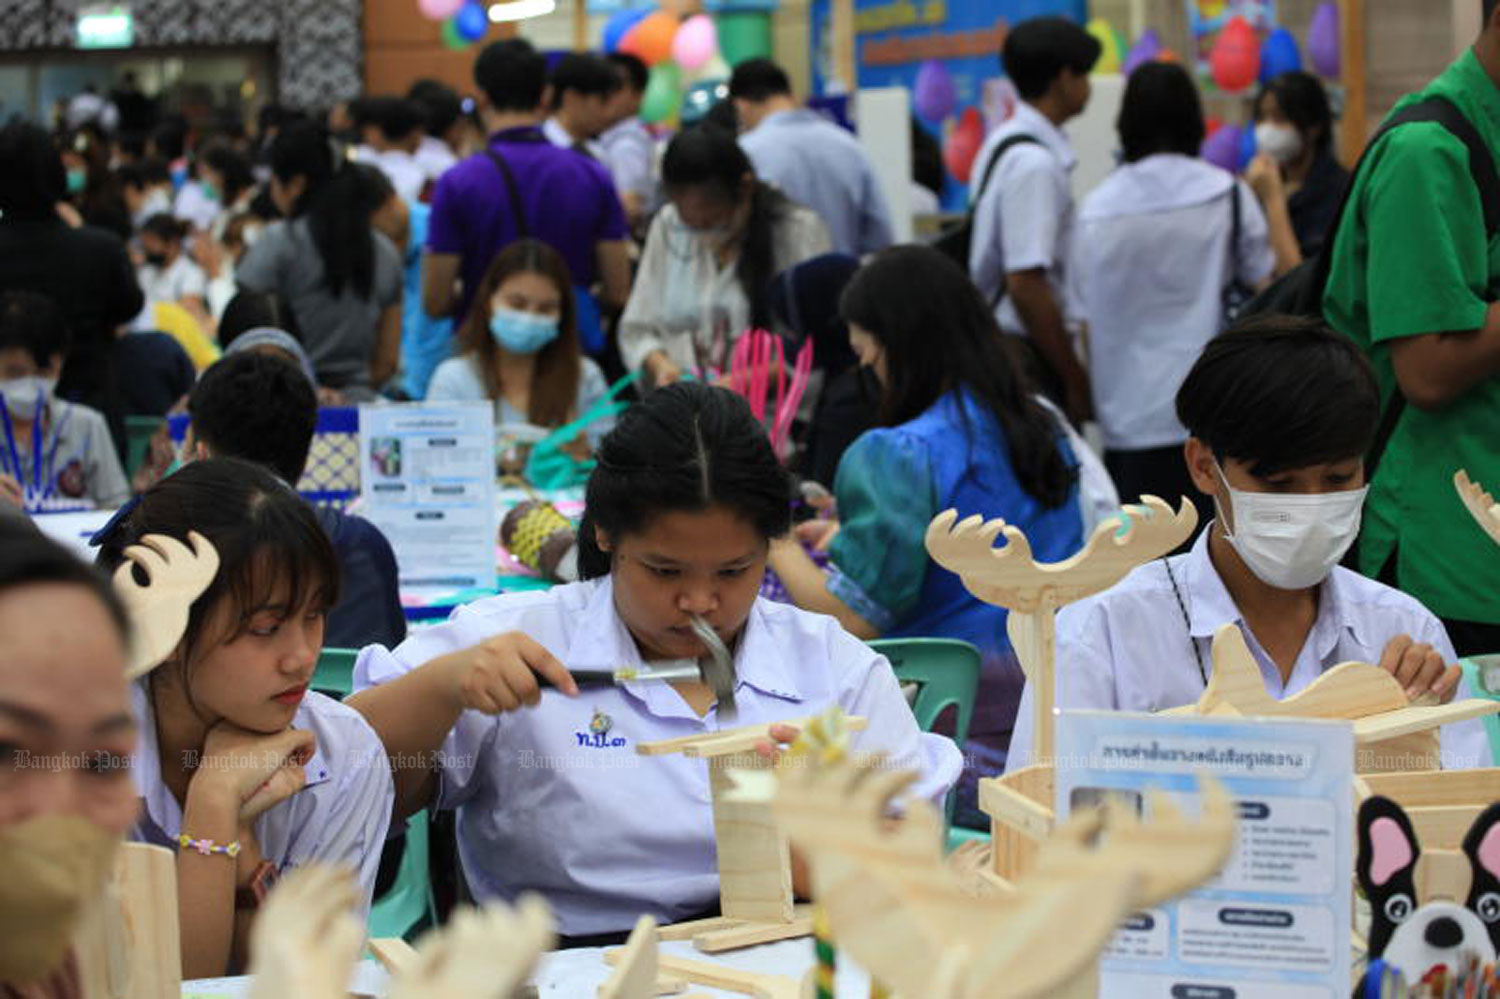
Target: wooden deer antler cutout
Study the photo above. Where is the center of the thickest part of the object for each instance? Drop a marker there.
(1010, 577)
(1480, 503)
(159, 610)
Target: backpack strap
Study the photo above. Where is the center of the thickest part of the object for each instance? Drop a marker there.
(518, 210)
(989, 171)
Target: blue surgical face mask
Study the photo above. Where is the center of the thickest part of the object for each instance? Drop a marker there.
(522, 332)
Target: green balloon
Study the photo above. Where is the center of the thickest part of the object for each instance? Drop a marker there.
(663, 93)
(451, 37)
(744, 35)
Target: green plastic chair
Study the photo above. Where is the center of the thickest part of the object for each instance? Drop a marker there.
(138, 433)
(1483, 676)
(334, 675)
(408, 906)
(946, 672)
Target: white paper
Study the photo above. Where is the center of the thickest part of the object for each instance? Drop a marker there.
(1274, 924)
(428, 482)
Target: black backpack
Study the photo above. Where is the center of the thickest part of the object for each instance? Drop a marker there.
(1300, 292)
(957, 240)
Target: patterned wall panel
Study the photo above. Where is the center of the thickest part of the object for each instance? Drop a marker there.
(320, 43)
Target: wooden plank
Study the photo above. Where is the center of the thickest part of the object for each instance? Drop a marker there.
(734, 740)
(755, 863)
(635, 973)
(1413, 751)
(1408, 720)
(1015, 810)
(394, 954)
(1355, 126)
(128, 945)
(690, 929)
(1442, 788)
(718, 976)
(1443, 874)
(753, 935)
(1443, 827)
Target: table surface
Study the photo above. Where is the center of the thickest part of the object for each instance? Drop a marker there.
(574, 974)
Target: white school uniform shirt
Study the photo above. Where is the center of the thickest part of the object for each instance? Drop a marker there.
(401, 168)
(563, 139)
(1151, 258)
(1024, 219)
(340, 817)
(435, 157)
(555, 799)
(1131, 648)
(630, 153)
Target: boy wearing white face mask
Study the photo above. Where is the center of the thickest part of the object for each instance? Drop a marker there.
(1280, 412)
(59, 452)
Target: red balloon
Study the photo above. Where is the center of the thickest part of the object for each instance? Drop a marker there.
(963, 144)
(1235, 58)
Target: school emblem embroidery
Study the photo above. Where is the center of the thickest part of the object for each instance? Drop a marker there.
(597, 736)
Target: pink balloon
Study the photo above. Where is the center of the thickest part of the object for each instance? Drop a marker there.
(1323, 41)
(439, 10)
(1235, 58)
(696, 42)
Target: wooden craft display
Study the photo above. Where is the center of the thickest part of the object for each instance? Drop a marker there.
(1481, 505)
(128, 945)
(1033, 592)
(1442, 806)
(176, 576)
(896, 906)
(638, 965)
(755, 866)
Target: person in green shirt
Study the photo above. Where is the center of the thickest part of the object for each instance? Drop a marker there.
(1411, 282)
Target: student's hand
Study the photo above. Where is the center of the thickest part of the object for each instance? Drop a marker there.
(778, 737)
(579, 448)
(1420, 669)
(500, 674)
(1264, 177)
(258, 771)
(69, 215)
(661, 369)
(817, 534)
(10, 492)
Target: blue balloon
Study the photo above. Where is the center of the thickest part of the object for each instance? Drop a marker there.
(1248, 147)
(1279, 55)
(471, 21)
(619, 25)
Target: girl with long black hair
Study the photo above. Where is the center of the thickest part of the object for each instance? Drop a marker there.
(342, 278)
(710, 257)
(681, 513)
(959, 429)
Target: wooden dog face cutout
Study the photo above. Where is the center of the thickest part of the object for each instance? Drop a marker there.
(1422, 914)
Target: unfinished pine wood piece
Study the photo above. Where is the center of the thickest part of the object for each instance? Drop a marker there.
(755, 864)
(306, 938)
(393, 954)
(486, 953)
(718, 976)
(158, 611)
(1442, 805)
(128, 944)
(1010, 577)
(1481, 505)
(635, 971)
(896, 907)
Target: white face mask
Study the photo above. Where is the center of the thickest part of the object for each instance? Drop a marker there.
(21, 394)
(1280, 142)
(1293, 541)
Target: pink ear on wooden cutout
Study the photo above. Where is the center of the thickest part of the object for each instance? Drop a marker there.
(1393, 850)
(1489, 851)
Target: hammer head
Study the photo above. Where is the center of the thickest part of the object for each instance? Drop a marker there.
(717, 666)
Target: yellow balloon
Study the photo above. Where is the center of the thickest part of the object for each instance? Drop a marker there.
(1111, 58)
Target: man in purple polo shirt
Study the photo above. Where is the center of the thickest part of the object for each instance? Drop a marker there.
(563, 198)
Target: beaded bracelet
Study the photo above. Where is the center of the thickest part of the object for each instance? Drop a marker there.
(207, 847)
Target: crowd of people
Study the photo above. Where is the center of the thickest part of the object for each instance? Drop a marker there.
(535, 249)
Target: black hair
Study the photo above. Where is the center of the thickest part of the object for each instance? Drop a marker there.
(1279, 393)
(1304, 102)
(939, 334)
(441, 107)
(723, 116)
(250, 310)
(169, 138)
(708, 157)
(30, 558)
(166, 227)
(583, 73)
(269, 541)
(32, 179)
(1037, 51)
(632, 69)
(512, 74)
(1161, 113)
(396, 117)
(337, 203)
(257, 407)
(131, 145)
(758, 80)
(144, 173)
(232, 165)
(32, 322)
(686, 447)
(926, 158)
(377, 185)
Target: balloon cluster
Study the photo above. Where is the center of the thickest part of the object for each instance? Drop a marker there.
(690, 58)
(934, 97)
(464, 21)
